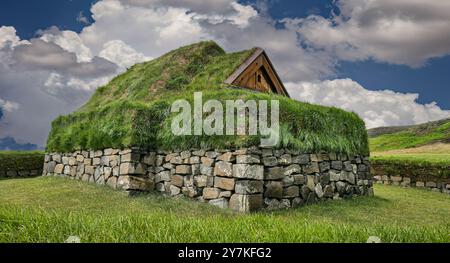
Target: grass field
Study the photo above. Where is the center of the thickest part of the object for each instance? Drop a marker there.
(395, 138)
(51, 209)
(433, 154)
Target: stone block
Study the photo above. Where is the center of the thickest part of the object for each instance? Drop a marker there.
(246, 203)
(96, 161)
(132, 169)
(195, 169)
(328, 191)
(311, 168)
(285, 159)
(183, 169)
(134, 183)
(211, 193)
(420, 184)
(301, 159)
(130, 157)
(274, 173)
(247, 159)
(292, 169)
(311, 181)
(219, 202)
(291, 192)
(173, 190)
(227, 157)
(324, 166)
(299, 179)
(194, 160)
(89, 169)
(396, 178)
(224, 183)
(430, 184)
(270, 161)
(163, 176)
(207, 161)
(318, 190)
(112, 182)
(177, 180)
(223, 169)
(191, 191)
(226, 194)
(247, 171)
(199, 153)
(248, 187)
(201, 181)
(59, 169)
(211, 154)
(185, 154)
(274, 189)
(287, 181)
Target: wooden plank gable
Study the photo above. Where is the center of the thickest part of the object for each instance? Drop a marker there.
(257, 73)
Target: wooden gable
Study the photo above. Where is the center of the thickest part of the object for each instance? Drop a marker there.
(257, 73)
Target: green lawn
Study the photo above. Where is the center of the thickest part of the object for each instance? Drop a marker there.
(51, 209)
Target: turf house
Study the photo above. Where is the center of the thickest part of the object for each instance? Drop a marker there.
(122, 137)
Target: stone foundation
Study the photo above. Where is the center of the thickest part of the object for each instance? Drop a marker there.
(243, 180)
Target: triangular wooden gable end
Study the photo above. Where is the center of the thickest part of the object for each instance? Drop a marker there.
(257, 73)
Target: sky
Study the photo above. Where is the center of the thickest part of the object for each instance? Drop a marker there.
(388, 61)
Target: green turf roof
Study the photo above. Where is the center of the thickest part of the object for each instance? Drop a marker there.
(134, 109)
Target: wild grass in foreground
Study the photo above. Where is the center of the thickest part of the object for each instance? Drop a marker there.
(51, 209)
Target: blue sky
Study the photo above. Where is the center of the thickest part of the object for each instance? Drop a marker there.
(310, 41)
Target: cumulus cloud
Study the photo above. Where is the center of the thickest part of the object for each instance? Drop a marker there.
(41, 80)
(408, 32)
(121, 54)
(69, 41)
(377, 108)
(156, 27)
(8, 106)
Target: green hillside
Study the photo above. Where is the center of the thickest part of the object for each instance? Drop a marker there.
(134, 109)
(394, 138)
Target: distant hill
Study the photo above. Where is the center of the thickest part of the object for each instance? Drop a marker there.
(10, 144)
(402, 137)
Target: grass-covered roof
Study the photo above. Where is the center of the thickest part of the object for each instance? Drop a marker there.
(134, 109)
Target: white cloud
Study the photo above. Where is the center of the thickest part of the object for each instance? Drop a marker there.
(41, 80)
(377, 108)
(120, 53)
(82, 18)
(69, 41)
(9, 38)
(8, 106)
(408, 32)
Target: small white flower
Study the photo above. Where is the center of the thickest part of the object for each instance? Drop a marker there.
(373, 239)
(73, 239)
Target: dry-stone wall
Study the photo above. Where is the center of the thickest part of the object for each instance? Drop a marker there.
(420, 177)
(20, 165)
(243, 180)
